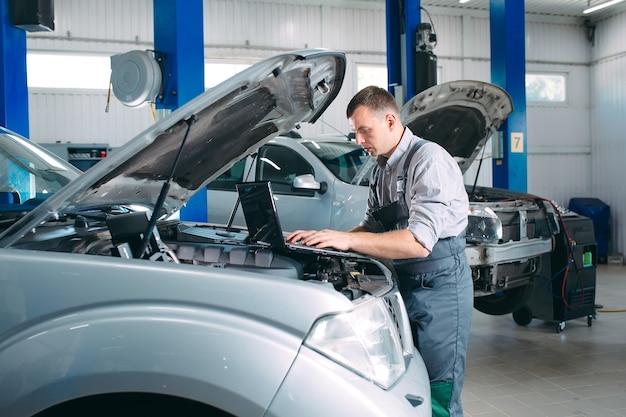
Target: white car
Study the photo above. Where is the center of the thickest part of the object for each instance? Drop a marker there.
(321, 182)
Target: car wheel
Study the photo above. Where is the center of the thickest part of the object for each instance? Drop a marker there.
(523, 316)
(505, 302)
(132, 405)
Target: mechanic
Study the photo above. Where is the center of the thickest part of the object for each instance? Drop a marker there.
(416, 216)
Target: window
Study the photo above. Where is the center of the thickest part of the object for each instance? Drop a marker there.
(68, 71)
(228, 179)
(371, 74)
(546, 87)
(274, 163)
(215, 73)
(281, 165)
(346, 160)
(82, 71)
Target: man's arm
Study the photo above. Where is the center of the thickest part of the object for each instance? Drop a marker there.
(395, 244)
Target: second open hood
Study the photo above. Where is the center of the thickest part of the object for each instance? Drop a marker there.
(458, 115)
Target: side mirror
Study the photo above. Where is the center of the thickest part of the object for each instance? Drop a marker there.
(307, 182)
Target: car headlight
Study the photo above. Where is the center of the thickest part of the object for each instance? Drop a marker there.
(483, 225)
(364, 340)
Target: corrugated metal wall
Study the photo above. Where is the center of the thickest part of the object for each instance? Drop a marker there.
(608, 123)
(572, 147)
(559, 136)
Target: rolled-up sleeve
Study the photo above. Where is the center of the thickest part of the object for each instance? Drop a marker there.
(435, 191)
(439, 203)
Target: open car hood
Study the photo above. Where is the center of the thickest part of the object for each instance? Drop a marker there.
(206, 136)
(458, 115)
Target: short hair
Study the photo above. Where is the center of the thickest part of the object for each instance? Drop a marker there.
(375, 98)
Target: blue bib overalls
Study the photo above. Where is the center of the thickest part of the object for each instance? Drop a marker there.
(438, 293)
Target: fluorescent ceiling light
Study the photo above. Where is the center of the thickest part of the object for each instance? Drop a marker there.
(463, 1)
(601, 6)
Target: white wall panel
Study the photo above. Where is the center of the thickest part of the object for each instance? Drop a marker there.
(461, 36)
(97, 25)
(609, 38)
(559, 135)
(609, 123)
(87, 121)
(556, 43)
(462, 47)
(561, 127)
(559, 177)
(450, 31)
(356, 30)
(246, 24)
(475, 37)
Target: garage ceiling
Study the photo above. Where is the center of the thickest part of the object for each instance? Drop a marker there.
(569, 8)
(546, 8)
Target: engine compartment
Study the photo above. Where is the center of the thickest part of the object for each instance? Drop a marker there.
(212, 246)
(208, 246)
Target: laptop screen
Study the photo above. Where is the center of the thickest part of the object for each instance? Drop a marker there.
(259, 210)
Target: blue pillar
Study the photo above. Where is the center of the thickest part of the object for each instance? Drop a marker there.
(13, 86)
(401, 46)
(394, 60)
(508, 70)
(179, 36)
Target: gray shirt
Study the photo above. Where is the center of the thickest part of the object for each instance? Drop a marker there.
(438, 204)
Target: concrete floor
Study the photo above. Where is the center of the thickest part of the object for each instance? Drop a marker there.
(528, 371)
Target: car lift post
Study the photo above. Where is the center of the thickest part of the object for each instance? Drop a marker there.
(13, 86)
(179, 38)
(401, 47)
(508, 70)
(508, 63)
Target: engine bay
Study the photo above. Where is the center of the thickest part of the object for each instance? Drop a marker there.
(209, 246)
(213, 246)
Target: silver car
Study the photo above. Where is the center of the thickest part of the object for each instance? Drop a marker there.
(321, 181)
(109, 305)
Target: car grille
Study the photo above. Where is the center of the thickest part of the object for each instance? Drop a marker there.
(397, 310)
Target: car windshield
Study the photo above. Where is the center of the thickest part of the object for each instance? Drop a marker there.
(28, 175)
(345, 159)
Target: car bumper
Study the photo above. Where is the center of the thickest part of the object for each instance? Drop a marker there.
(501, 267)
(494, 254)
(316, 386)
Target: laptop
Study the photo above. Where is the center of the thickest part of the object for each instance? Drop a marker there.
(259, 211)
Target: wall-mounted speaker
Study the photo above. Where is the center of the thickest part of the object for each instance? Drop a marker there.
(33, 15)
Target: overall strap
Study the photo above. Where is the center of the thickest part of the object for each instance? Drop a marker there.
(401, 180)
(402, 177)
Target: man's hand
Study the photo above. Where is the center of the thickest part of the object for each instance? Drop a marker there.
(395, 244)
(322, 238)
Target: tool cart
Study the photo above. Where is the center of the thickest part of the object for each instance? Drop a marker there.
(565, 288)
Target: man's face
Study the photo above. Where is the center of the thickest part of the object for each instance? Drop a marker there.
(374, 132)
